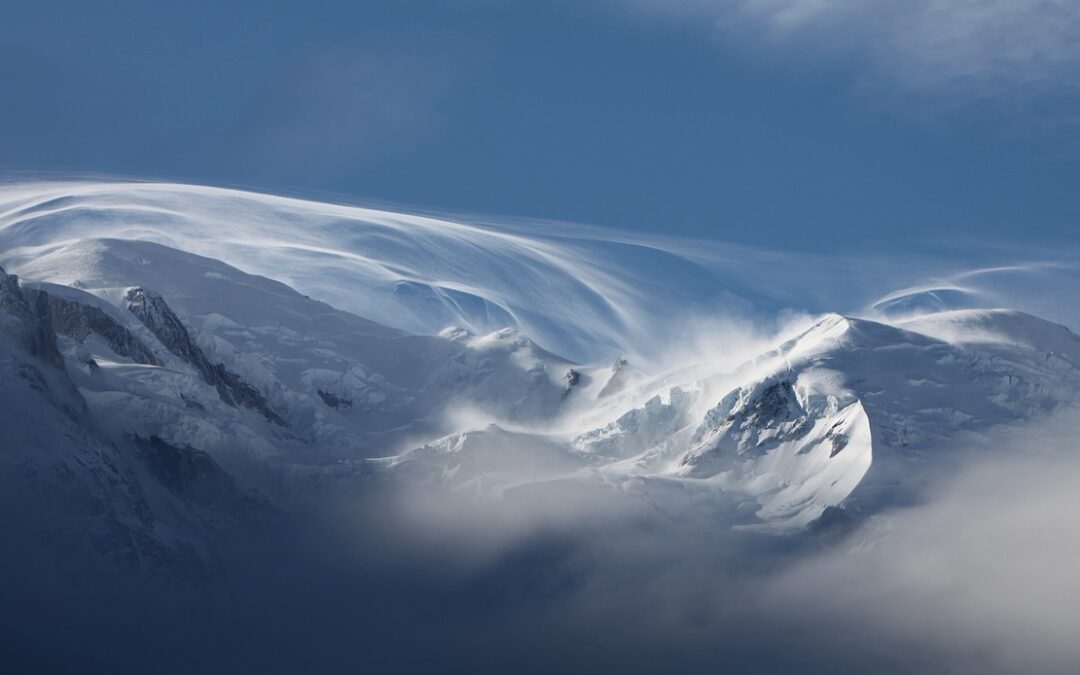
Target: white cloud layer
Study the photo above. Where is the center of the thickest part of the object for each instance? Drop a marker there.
(982, 578)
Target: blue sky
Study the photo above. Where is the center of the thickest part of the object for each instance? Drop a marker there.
(812, 124)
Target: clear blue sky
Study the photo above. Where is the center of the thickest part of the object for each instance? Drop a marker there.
(804, 124)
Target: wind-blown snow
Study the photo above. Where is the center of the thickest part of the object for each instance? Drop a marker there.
(584, 293)
(585, 298)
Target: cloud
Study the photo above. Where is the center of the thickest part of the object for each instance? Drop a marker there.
(978, 579)
(982, 578)
(576, 578)
(953, 52)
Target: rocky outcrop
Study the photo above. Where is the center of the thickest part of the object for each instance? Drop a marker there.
(32, 309)
(333, 400)
(751, 421)
(156, 315)
(618, 380)
(41, 333)
(77, 321)
(573, 379)
(194, 476)
(11, 298)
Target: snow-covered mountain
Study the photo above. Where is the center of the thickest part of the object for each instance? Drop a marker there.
(178, 360)
(848, 414)
(81, 501)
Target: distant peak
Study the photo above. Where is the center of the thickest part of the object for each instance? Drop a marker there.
(456, 333)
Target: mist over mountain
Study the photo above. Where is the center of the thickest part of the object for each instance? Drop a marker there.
(250, 433)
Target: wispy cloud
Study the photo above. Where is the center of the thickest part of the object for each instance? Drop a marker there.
(951, 52)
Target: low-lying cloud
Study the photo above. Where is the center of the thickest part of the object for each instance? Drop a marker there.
(982, 578)
(978, 578)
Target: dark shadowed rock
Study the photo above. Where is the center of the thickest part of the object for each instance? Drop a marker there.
(156, 315)
(33, 310)
(194, 476)
(77, 321)
(617, 381)
(333, 400)
(752, 423)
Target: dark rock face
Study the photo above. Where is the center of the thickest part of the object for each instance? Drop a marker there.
(753, 424)
(573, 379)
(837, 438)
(238, 392)
(32, 308)
(156, 315)
(333, 400)
(618, 378)
(152, 311)
(77, 321)
(11, 298)
(194, 476)
(777, 405)
(42, 333)
(33, 376)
